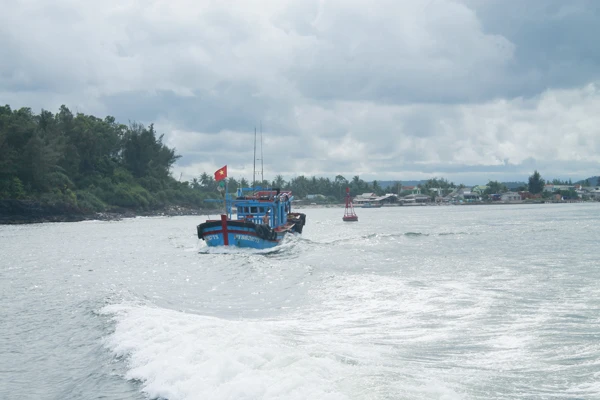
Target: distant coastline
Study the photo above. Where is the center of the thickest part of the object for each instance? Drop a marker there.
(18, 212)
(490, 203)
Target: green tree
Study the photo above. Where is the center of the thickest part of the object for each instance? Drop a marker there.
(397, 187)
(536, 183)
(279, 182)
(495, 187)
(377, 189)
(145, 155)
(340, 184)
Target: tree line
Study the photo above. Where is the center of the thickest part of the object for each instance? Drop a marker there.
(301, 186)
(335, 190)
(87, 164)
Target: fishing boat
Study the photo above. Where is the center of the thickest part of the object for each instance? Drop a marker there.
(263, 218)
(349, 214)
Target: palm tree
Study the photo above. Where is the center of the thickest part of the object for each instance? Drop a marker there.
(204, 179)
(339, 183)
(232, 184)
(279, 182)
(397, 187)
(376, 188)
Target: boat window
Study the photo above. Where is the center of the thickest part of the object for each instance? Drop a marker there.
(253, 210)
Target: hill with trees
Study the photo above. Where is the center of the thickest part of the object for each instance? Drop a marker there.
(73, 165)
(591, 181)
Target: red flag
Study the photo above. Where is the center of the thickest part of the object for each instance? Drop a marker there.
(221, 174)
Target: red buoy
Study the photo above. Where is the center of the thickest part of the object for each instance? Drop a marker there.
(349, 214)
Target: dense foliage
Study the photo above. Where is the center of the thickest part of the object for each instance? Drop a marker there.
(86, 164)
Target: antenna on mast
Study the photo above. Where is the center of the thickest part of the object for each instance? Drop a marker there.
(254, 168)
(262, 177)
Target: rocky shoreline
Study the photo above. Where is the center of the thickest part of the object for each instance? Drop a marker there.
(16, 212)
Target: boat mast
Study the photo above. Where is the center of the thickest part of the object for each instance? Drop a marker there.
(262, 177)
(254, 168)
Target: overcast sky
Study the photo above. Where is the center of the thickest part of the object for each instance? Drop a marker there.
(467, 90)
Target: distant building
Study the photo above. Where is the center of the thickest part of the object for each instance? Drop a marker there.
(372, 198)
(415, 198)
(479, 189)
(527, 195)
(510, 196)
(594, 193)
(554, 188)
(467, 195)
(412, 189)
(460, 195)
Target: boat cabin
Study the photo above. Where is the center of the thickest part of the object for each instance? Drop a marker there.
(253, 207)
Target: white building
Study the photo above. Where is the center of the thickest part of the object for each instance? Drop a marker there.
(510, 196)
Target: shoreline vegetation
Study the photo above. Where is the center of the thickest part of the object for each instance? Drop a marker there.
(72, 167)
(16, 212)
(75, 167)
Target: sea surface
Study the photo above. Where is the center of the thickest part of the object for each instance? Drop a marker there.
(456, 302)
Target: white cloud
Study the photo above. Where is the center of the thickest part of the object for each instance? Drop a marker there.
(389, 90)
(558, 129)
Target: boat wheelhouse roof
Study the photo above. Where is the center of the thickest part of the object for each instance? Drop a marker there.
(273, 192)
(263, 194)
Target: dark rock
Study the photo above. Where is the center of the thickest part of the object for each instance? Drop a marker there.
(31, 212)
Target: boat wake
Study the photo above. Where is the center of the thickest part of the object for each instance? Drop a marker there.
(175, 356)
(379, 236)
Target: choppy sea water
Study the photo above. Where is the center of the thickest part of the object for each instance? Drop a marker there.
(466, 302)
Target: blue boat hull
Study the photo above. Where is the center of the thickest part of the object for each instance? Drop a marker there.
(239, 234)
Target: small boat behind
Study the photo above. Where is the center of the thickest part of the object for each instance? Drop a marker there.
(349, 214)
(263, 218)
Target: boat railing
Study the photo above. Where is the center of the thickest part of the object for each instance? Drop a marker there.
(257, 219)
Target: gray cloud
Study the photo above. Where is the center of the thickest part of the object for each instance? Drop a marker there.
(556, 45)
(399, 89)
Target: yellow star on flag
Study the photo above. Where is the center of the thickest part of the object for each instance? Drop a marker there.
(221, 173)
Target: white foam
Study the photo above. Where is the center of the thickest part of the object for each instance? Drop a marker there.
(184, 356)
